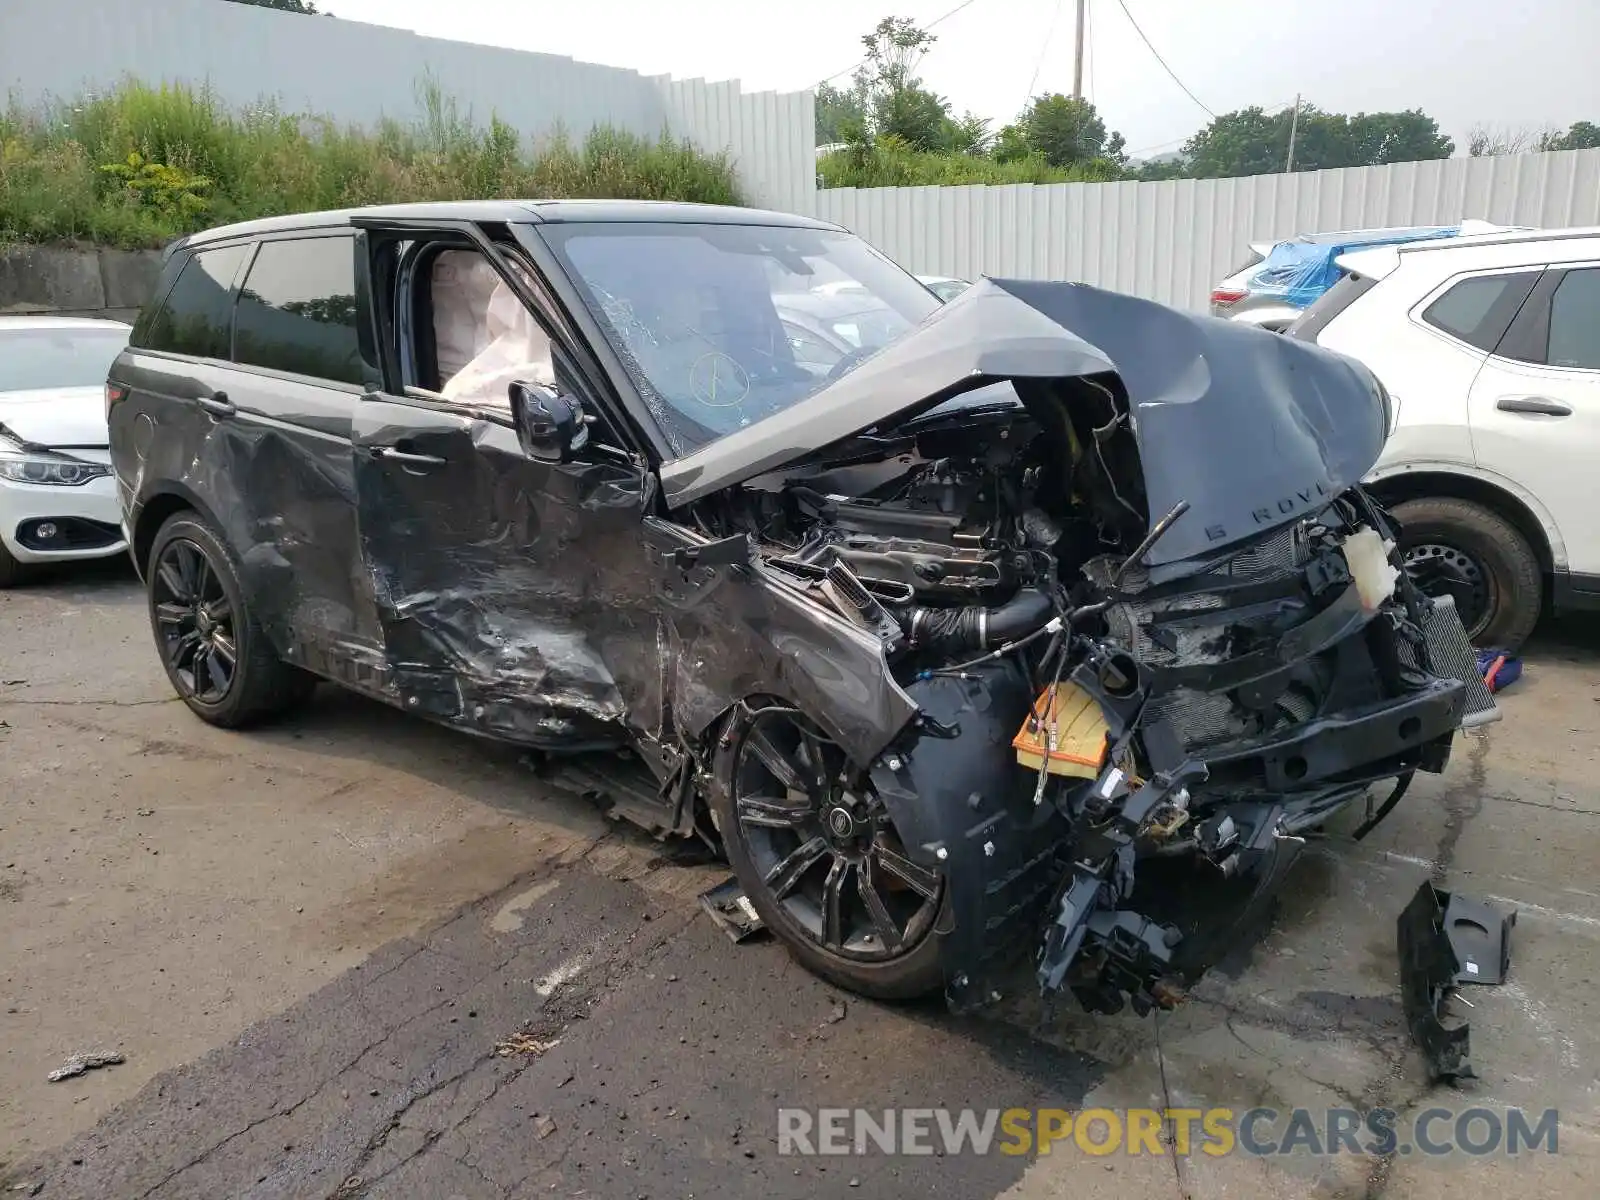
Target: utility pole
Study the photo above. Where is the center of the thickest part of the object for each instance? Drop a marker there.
(1294, 128)
(1077, 53)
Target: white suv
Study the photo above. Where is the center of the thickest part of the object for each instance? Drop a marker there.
(1490, 349)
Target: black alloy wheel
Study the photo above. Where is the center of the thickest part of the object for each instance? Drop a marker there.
(196, 622)
(221, 663)
(821, 860)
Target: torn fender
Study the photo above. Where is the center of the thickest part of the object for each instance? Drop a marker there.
(732, 631)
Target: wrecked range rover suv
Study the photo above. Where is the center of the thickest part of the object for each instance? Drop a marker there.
(937, 620)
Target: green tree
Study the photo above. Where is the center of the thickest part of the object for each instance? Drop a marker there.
(1011, 144)
(1582, 135)
(914, 115)
(1252, 141)
(970, 134)
(1064, 130)
(1393, 137)
(841, 113)
(294, 6)
(1156, 170)
(1246, 142)
(891, 101)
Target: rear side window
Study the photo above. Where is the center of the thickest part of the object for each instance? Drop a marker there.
(297, 310)
(194, 318)
(1480, 309)
(1575, 321)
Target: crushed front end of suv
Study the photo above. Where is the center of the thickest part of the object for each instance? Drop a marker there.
(939, 620)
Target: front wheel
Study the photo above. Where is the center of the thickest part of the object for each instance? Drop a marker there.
(1473, 554)
(819, 858)
(216, 655)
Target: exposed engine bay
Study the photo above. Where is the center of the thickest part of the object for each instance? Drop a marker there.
(998, 548)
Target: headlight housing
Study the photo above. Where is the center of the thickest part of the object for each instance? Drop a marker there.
(55, 470)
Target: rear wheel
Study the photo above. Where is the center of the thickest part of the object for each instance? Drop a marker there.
(821, 861)
(1473, 554)
(216, 655)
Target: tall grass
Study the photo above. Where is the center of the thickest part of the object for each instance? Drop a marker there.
(140, 165)
(889, 162)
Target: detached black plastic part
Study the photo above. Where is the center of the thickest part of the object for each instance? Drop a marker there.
(1439, 936)
(727, 905)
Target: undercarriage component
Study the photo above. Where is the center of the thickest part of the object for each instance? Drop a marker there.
(1444, 941)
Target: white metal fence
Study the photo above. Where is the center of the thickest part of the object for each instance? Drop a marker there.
(360, 73)
(1172, 241)
(1167, 241)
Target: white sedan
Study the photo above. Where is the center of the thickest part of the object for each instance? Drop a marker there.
(58, 499)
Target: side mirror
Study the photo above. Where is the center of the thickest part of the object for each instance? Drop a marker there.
(550, 426)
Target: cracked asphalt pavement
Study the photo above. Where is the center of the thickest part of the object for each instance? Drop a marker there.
(357, 956)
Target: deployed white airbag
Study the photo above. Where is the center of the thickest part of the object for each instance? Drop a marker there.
(463, 284)
(517, 350)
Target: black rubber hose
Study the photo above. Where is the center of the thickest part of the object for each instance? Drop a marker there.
(1372, 822)
(959, 630)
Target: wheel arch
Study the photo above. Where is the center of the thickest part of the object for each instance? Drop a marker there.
(154, 512)
(1524, 513)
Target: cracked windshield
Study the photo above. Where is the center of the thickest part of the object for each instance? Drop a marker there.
(722, 326)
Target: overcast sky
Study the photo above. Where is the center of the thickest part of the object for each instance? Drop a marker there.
(1464, 61)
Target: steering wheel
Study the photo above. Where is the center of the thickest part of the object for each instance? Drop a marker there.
(848, 361)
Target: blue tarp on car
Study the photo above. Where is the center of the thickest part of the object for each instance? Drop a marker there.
(1300, 270)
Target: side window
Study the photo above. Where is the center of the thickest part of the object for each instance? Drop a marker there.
(194, 319)
(297, 310)
(1478, 310)
(1575, 321)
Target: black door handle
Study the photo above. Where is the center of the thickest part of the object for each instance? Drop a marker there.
(218, 405)
(1533, 404)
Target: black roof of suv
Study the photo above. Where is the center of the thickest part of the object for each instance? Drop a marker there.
(529, 211)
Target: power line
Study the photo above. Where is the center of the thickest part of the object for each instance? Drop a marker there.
(1043, 50)
(1123, 6)
(929, 25)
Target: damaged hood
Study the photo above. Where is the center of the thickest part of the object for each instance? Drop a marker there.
(1253, 429)
(56, 417)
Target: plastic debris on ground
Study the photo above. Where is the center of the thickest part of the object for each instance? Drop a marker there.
(1446, 940)
(730, 908)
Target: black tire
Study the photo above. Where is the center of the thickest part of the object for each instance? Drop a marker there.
(10, 568)
(914, 973)
(1504, 583)
(260, 685)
